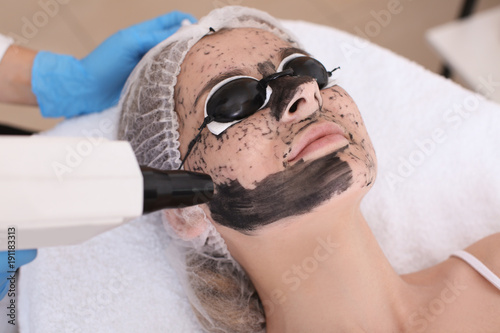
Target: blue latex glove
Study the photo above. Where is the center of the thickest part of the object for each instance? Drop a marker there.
(65, 86)
(21, 257)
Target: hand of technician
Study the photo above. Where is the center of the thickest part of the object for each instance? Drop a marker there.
(65, 86)
(21, 257)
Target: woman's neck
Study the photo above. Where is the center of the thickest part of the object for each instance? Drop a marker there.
(325, 274)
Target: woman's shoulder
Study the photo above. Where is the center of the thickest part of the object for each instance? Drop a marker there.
(487, 251)
(460, 296)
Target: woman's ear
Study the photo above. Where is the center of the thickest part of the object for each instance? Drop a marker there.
(188, 223)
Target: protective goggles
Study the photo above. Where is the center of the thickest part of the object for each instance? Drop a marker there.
(238, 97)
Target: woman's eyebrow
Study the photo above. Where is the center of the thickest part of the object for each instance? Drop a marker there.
(216, 79)
(285, 52)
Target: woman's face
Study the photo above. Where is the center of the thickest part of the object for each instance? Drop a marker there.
(303, 149)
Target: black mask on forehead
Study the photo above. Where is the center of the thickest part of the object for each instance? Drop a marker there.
(293, 191)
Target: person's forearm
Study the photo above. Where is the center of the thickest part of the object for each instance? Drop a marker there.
(15, 76)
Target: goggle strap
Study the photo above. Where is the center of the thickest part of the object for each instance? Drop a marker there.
(333, 70)
(206, 121)
(265, 81)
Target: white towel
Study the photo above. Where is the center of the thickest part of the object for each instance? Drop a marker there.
(438, 190)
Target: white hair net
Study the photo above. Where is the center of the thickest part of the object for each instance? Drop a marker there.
(221, 294)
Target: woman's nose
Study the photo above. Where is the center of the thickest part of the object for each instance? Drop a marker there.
(294, 98)
(306, 100)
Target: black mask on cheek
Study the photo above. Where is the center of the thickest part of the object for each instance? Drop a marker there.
(284, 89)
(294, 191)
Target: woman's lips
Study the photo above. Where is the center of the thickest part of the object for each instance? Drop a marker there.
(318, 138)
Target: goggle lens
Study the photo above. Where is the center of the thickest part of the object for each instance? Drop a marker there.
(307, 66)
(236, 100)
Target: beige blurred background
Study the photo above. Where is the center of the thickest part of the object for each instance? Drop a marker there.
(80, 25)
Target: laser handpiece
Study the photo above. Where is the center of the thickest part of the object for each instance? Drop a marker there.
(60, 191)
(174, 189)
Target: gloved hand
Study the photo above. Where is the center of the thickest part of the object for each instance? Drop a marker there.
(21, 257)
(65, 86)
